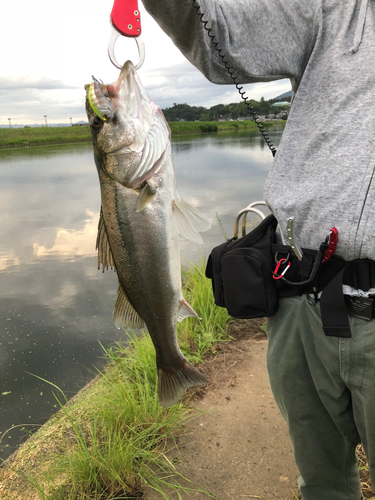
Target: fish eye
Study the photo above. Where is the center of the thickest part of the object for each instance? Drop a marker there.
(97, 123)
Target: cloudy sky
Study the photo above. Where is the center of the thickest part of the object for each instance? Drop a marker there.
(50, 49)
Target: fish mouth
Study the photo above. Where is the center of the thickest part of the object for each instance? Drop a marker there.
(127, 71)
(132, 95)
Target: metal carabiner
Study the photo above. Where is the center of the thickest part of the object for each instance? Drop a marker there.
(252, 205)
(126, 21)
(286, 262)
(242, 213)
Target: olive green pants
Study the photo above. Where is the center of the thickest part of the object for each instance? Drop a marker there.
(325, 389)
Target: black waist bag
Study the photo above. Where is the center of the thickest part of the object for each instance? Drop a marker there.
(241, 273)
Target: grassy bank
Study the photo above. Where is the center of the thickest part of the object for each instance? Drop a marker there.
(112, 438)
(39, 136)
(179, 128)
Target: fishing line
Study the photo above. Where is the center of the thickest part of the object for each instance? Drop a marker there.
(222, 55)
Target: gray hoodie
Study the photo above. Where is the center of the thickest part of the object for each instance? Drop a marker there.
(323, 171)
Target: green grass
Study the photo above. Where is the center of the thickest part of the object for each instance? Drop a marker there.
(120, 445)
(198, 338)
(179, 128)
(39, 136)
(114, 439)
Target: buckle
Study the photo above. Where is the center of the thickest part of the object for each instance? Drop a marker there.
(360, 307)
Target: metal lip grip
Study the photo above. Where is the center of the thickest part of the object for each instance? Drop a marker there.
(292, 238)
(126, 21)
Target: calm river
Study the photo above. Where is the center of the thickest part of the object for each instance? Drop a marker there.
(55, 305)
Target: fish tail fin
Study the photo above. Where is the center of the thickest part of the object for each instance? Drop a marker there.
(172, 383)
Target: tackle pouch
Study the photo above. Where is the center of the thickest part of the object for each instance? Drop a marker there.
(241, 273)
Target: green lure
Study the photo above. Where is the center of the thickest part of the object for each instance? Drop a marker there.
(99, 103)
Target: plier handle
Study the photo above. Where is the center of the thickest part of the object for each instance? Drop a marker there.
(126, 21)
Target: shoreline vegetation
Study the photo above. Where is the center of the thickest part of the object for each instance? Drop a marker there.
(45, 136)
(112, 438)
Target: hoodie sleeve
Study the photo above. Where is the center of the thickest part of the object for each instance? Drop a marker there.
(263, 40)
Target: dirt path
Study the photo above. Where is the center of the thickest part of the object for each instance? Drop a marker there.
(239, 447)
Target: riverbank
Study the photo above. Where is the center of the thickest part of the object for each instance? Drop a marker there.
(231, 443)
(113, 440)
(41, 136)
(110, 439)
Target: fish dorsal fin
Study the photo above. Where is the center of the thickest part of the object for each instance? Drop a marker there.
(189, 221)
(155, 145)
(124, 314)
(185, 311)
(105, 257)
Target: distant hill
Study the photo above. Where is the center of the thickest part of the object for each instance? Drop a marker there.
(283, 96)
(18, 125)
(185, 112)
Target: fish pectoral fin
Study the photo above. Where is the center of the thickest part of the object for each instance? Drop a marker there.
(105, 257)
(189, 221)
(173, 382)
(145, 196)
(124, 314)
(185, 311)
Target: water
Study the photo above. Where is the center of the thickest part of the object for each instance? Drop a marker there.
(55, 305)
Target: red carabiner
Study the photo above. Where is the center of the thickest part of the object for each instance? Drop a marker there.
(279, 276)
(126, 18)
(333, 240)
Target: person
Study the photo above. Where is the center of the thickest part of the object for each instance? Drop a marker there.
(323, 177)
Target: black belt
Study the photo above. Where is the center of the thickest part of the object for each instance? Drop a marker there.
(360, 307)
(359, 274)
(332, 275)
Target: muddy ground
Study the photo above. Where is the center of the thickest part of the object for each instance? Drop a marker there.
(239, 447)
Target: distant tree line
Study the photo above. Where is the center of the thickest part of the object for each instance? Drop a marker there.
(221, 111)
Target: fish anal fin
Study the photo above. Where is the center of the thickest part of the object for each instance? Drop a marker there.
(145, 196)
(105, 257)
(185, 311)
(172, 383)
(189, 221)
(124, 314)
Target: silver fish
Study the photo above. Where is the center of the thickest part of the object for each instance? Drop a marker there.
(141, 217)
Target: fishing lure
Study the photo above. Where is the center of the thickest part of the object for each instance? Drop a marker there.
(99, 103)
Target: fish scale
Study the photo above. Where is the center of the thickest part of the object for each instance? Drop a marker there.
(141, 218)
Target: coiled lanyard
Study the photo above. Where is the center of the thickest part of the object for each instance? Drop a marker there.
(234, 79)
(126, 21)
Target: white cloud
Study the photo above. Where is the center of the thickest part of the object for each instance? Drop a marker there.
(58, 45)
(32, 82)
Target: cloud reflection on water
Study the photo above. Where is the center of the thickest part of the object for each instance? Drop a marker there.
(55, 305)
(72, 242)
